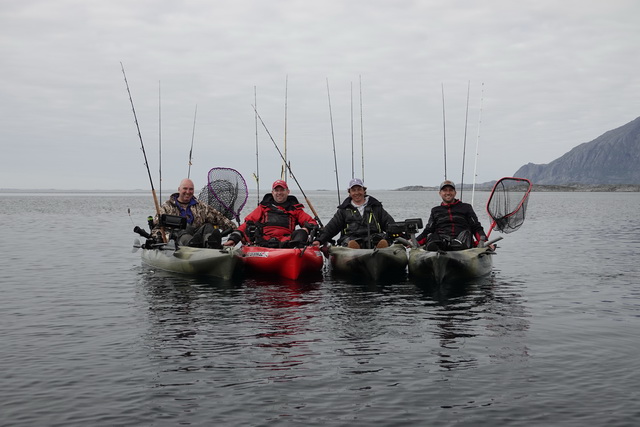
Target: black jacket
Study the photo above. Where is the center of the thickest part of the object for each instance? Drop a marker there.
(348, 220)
(451, 219)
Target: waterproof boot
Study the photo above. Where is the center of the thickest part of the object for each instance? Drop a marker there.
(353, 244)
(382, 244)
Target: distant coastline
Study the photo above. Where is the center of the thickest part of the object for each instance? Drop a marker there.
(55, 190)
(622, 188)
(545, 188)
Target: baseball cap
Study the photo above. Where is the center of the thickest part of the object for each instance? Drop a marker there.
(279, 183)
(447, 183)
(354, 182)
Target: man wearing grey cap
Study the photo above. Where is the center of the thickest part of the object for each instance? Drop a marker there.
(453, 225)
(361, 219)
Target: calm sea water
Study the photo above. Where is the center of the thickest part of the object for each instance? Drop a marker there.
(92, 337)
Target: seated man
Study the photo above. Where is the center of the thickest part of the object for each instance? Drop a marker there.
(361, 220)
(203, 221)
(273, 223)
(453, 225)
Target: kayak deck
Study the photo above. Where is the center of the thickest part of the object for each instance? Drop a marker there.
(452, 266)
(370, 264)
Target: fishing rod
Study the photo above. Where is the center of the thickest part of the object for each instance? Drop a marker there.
(361, 129)
(193, 133)
(283, 170)
(289, 168)
(464, 145)
(160, 139)
(146, 163)
(444, 133)
(256, 175)
(475, 167)
(335, 160)
(352, 159)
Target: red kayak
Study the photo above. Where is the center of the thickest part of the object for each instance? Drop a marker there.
(289, 263)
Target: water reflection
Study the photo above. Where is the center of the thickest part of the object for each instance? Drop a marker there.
(178, 322)
(274, 341)
(475, 317)
(280, 330)
(360, 324)
(221, 327)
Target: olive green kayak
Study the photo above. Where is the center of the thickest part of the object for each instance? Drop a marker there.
(222, 263)
(452, 266)
(369, 264)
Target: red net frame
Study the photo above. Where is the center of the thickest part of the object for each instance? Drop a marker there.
(507, 204)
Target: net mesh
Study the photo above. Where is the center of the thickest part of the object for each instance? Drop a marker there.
(226, 192)
(507, 205)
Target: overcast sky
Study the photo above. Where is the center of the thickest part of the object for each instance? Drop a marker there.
(542, 77)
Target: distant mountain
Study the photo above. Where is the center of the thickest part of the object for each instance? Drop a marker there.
(612, 158)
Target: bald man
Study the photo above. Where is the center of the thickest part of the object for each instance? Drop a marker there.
(203, 221)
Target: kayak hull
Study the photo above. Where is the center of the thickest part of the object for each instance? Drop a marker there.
(447, 267)
(290, 263)
(221, 263)
(370, 264)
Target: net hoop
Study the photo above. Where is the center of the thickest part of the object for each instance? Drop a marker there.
(508, 212)
(226, 191)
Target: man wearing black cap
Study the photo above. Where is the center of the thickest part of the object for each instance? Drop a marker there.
(275, 220)
(453, 225)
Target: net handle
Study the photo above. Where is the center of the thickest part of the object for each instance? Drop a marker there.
(513, 212)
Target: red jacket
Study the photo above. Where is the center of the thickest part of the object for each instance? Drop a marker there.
(277, 220)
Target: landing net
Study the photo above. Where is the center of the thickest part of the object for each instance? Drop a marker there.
(507, 205)
(226, 191)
